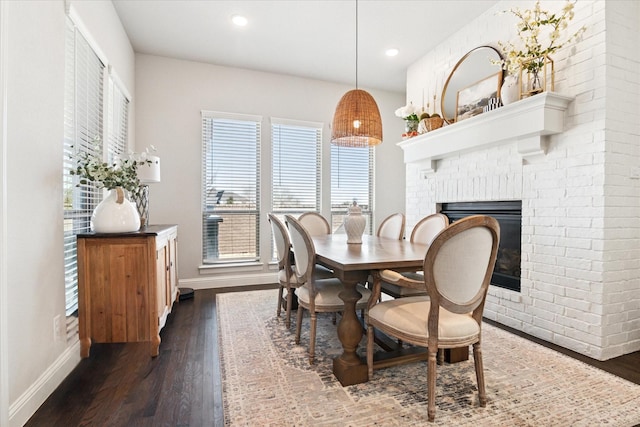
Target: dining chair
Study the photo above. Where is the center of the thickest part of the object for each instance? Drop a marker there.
(286, 278)
(315, 223)
(394, 283)
(315, 295)
(457, 272)
(392, 227)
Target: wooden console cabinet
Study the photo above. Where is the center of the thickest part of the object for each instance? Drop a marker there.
(127, 284)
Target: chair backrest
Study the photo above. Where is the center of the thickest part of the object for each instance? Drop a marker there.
(459, 264)
(428, 228)
(315, 224)
(392, 227)
(304, 253)
(281, 237)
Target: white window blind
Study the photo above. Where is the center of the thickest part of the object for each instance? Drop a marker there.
(118, 121)
(83, 127)
(84, 133)
(230, 187)
(295, 168)
(351, 179)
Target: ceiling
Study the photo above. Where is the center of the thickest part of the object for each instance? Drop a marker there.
(308, 38)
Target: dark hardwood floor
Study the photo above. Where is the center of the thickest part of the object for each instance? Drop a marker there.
(120, 385)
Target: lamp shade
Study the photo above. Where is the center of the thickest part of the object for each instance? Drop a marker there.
(150, 172)
(356, 122)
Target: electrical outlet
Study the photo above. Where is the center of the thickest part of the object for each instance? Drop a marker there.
(57, 328)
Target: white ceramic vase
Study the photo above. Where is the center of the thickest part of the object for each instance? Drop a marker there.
(354, 224)
(115, 214)
(509, 93)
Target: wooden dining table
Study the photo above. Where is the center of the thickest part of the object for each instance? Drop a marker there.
(353, 264)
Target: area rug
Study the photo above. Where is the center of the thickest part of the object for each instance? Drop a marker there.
(267, 380)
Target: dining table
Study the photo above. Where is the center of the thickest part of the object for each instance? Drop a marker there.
(354, 263)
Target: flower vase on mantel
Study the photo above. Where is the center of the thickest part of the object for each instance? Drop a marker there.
(115, 214)
(537, 76)
(354, 224)
(510, 90)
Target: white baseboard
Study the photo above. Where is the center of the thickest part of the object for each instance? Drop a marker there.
(28, 403)
(221, 281)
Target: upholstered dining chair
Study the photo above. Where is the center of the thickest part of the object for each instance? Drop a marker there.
(315, 224)
(286, 278)
(457, 272)
(392, 227)
(315, 295)
(394, 283)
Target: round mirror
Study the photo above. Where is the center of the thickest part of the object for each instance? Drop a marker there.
(476, 65)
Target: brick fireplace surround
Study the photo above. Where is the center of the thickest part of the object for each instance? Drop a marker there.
(572, 157)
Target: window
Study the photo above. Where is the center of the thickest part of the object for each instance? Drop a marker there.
(295, 167)
(84, 132)
(230, 187)
(351, 180)
(118, 121)
(83, 127)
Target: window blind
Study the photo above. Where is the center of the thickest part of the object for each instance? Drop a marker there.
(295, 168)
(230, 187)
(351, 180)
(83, 127)
(118, 121)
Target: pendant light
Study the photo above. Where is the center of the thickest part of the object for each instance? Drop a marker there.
(356, 122)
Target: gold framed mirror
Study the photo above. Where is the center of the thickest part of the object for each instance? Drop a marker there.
(473, 67)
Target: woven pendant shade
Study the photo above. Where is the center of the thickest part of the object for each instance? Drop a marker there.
(356, 122)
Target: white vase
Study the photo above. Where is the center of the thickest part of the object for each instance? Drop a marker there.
(115, 214)
(354, 224)
(510, 91)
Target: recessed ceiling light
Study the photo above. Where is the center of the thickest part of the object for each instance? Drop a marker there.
(239, 20)
(392, 52)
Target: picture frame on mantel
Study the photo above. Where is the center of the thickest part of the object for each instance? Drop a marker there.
(472, 99)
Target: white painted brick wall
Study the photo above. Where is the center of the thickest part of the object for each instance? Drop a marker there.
(581, 207)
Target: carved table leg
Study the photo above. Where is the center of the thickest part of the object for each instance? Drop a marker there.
(348, 367)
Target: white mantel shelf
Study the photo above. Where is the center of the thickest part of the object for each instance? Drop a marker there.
(529, 121)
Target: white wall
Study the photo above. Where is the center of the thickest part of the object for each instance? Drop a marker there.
(170, 95)
(173, 93)
(4, 340)
(581, 202)
(35, 63)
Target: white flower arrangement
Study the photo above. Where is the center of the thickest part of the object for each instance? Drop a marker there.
(408, 112)
(534, 27)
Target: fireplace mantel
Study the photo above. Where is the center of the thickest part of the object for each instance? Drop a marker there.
(529, 122)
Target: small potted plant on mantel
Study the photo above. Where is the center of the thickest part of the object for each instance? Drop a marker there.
(409, 114)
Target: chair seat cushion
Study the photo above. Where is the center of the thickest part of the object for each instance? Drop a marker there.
(389, 286)
(327, 295)
(409, 316)
(394, 276)
(293, 280)
(400, 291)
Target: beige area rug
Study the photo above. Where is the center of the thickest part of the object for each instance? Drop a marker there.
(267, 380)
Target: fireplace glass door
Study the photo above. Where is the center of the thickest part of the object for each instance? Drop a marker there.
(509, 215)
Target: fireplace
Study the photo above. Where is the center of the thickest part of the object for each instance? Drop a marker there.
(509, 215)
